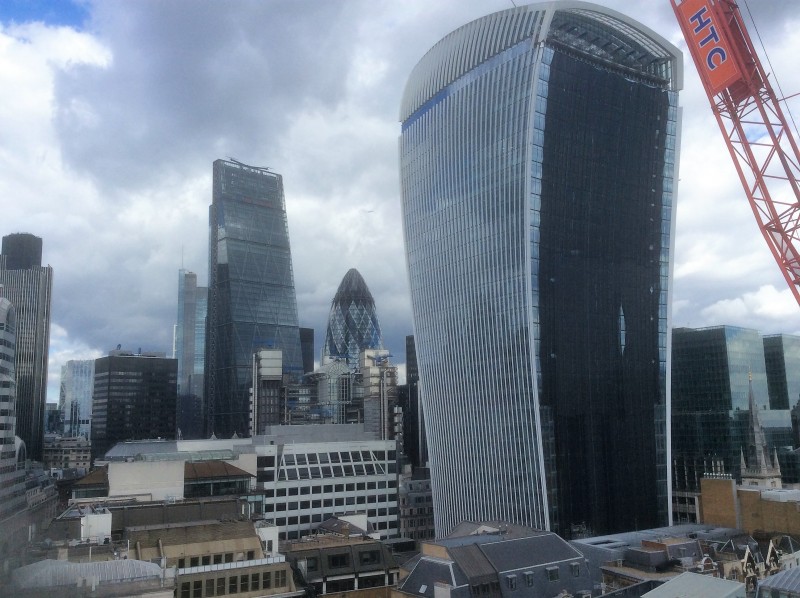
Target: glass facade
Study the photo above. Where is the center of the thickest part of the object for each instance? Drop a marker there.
(782, 358)
(353, 322)
(711, 379)
(134, 398)
(537, 162)
(29, 287)
(75, 398)
(190, 340)
(251, 302)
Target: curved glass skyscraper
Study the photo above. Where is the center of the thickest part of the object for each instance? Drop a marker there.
(353, 322)
(537, 156)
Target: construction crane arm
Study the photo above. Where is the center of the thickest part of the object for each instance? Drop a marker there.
(760, 142)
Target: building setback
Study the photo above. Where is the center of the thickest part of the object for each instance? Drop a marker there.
(538, 163)
(134, 398)
(251, 296)
(28, 285)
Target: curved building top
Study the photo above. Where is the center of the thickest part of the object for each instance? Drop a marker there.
(353, 322)
(581, 27)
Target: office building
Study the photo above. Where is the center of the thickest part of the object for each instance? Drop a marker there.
(251, 296)
(12, 473)
(538, 161)
(190, 341)
(307, 349)
(303, 475)
(782, 360)
(353, 322)
(134, 398)
(75, 397)
(717, 373)
(268, 402)
(67, 452)
(415, 446)
(28, 286)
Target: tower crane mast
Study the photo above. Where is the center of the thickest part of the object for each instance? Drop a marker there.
(762, 146)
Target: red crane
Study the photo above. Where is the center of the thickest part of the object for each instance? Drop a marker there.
(749, 115)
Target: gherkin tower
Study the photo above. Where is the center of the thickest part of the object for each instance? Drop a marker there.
(353, 322)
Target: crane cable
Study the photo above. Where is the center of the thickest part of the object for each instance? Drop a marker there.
(771, 68)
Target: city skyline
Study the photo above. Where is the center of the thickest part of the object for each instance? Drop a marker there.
(324, 114)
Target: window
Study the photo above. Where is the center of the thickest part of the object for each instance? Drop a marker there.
(233, 584)
(511, 582)
(370, 557)
(209, 587)
(197, 589)
(217, 559)
(575, 569)
(266, 581)
(220, 586)
(255, 581)
(206, 559)
(529, 578)
(244, 583)
(312, 563)
(552, 573)
(280, 578)
(338, 560)
(251, 554)
(186, 589)
(181, 563)
(228, 557)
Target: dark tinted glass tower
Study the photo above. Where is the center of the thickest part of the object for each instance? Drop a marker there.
(782, 357)
(251, 296)
(134, 398)
(537, 157)
(353, 322)
(714, 371)
(28, 286)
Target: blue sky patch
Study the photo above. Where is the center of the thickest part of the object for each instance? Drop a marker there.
(72, 13)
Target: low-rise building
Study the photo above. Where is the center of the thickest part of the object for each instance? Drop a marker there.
(298, 482)
(343, 561)
(694, 584)
(493, 559)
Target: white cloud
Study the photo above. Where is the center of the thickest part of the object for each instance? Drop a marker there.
(107, 140)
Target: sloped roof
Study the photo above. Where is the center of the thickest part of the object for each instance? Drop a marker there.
(472, 560)
(787, 580)
(527, 552)
(205, 470)
(98, 477)
(427, 572)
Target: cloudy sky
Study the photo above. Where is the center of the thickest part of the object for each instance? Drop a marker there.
(112, 112)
